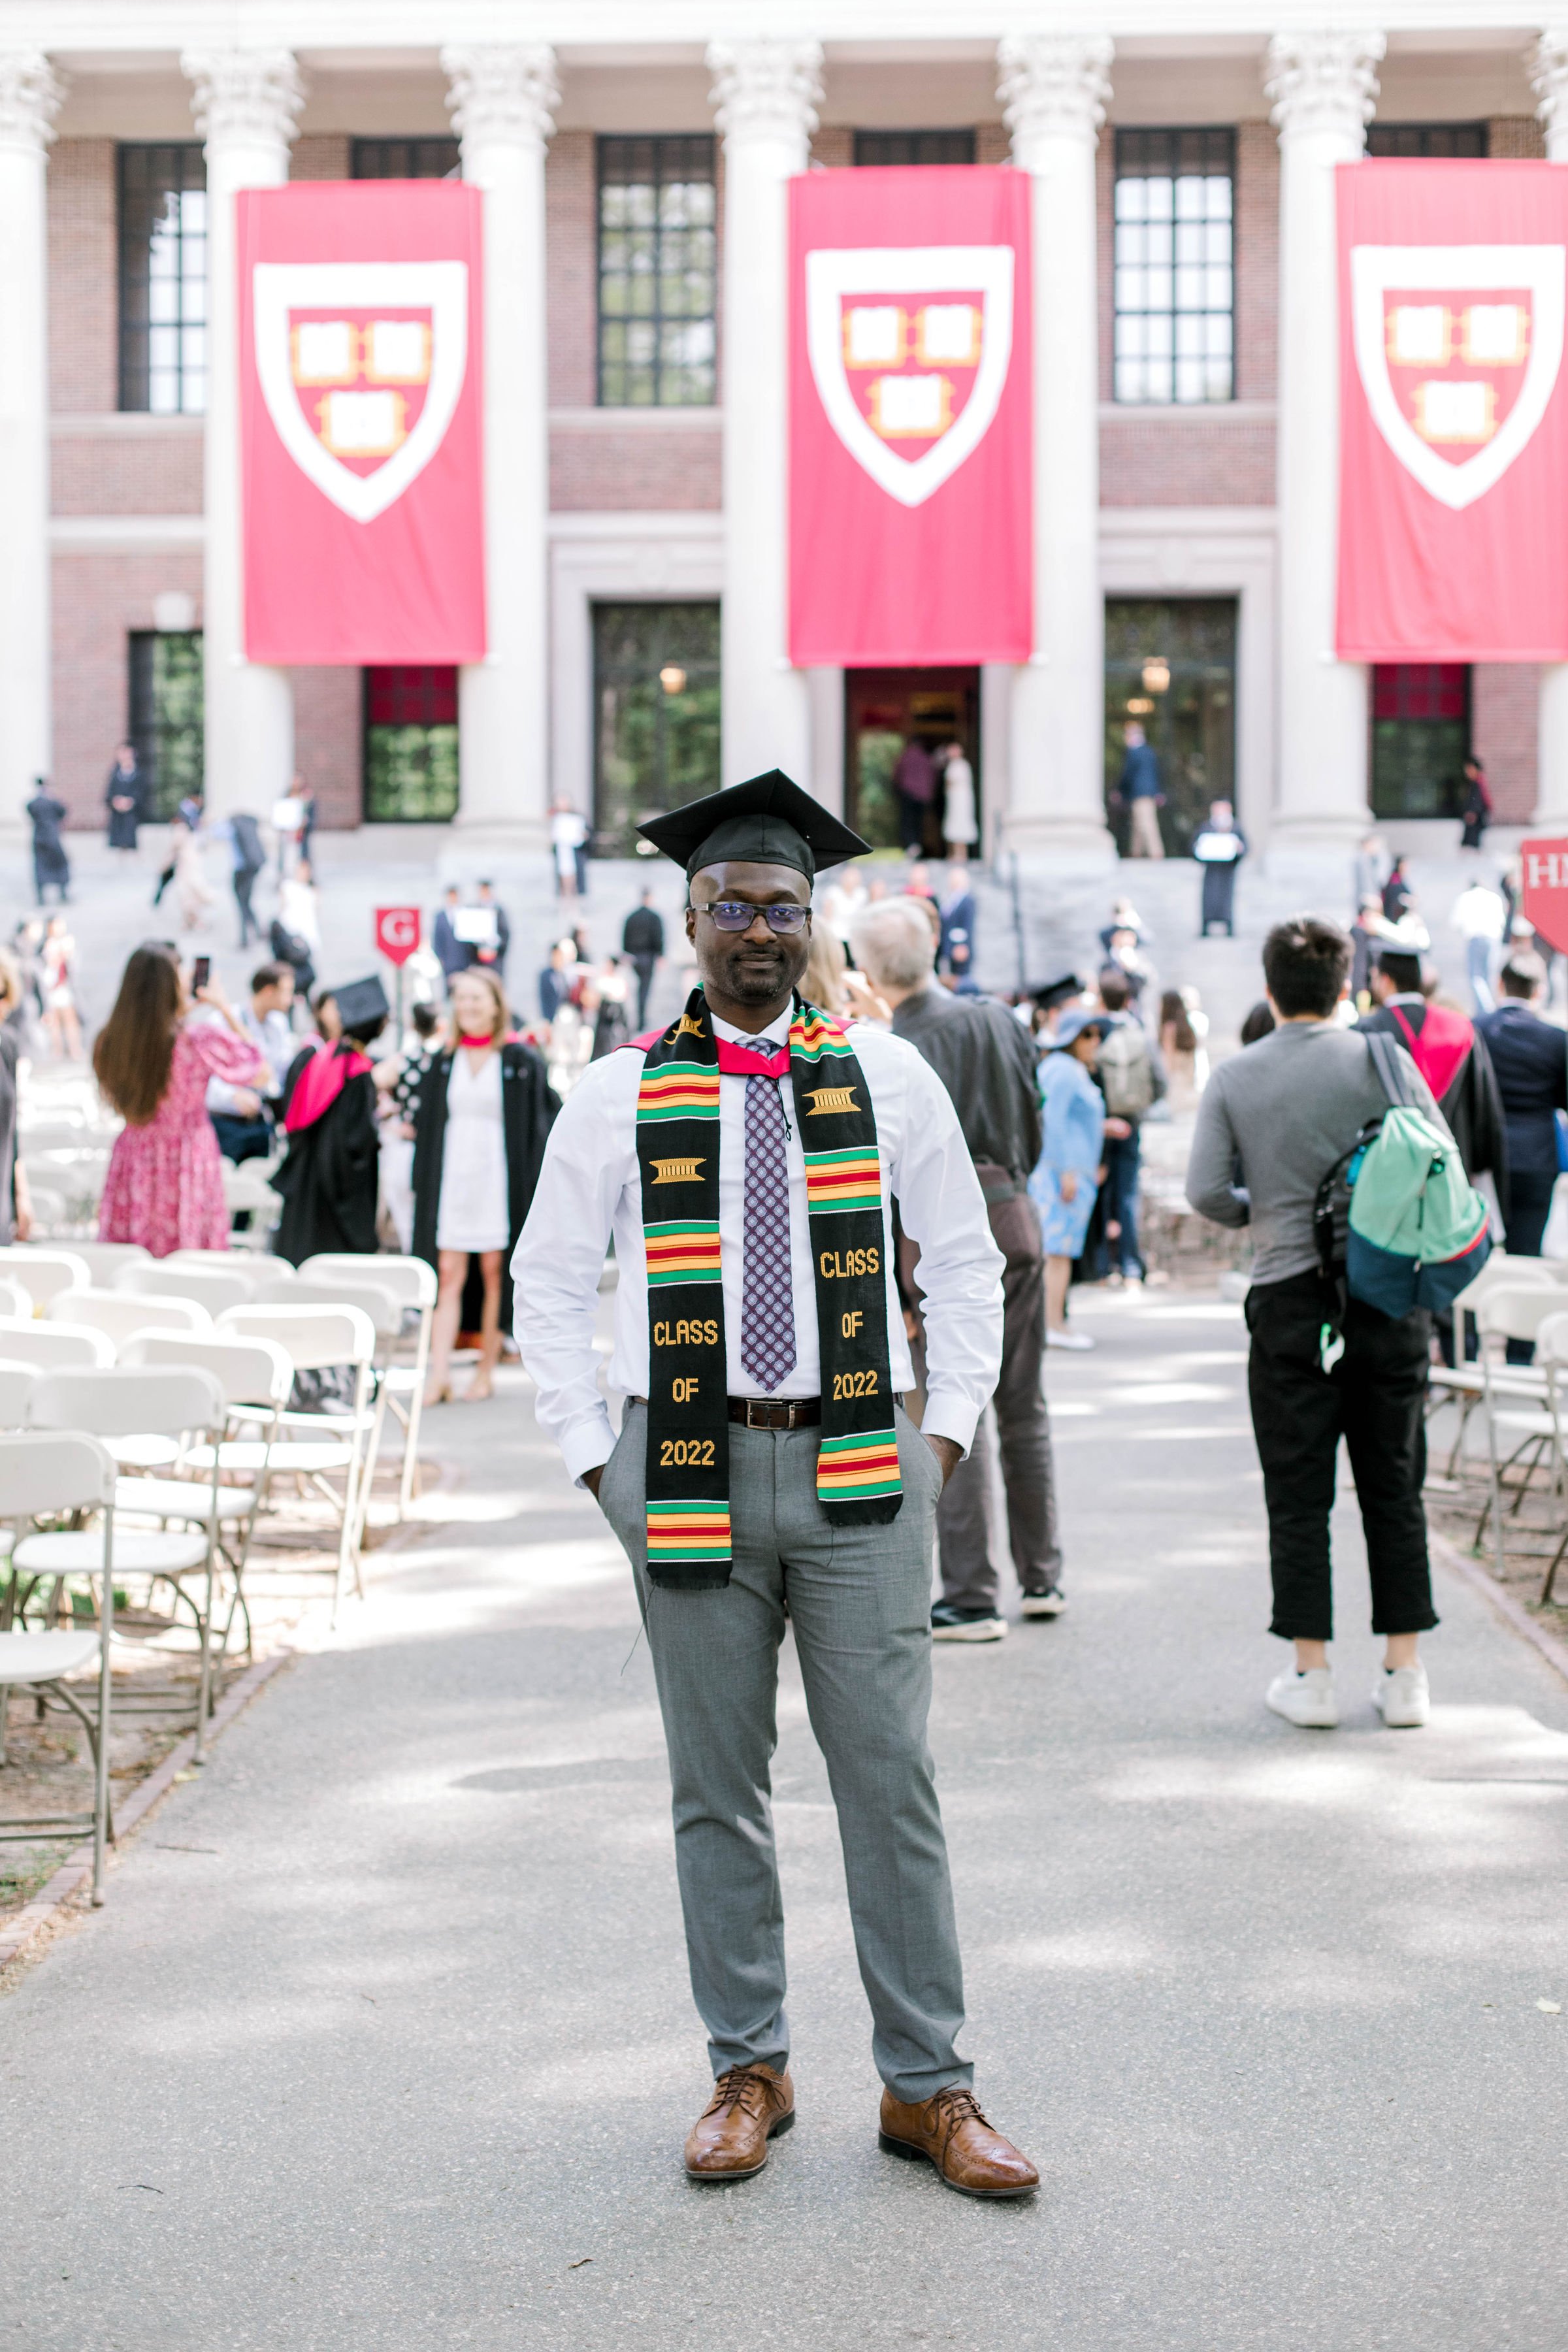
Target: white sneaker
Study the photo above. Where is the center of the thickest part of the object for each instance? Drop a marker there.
(1402, 1697)
(1077, 1340)
(1306, 1700)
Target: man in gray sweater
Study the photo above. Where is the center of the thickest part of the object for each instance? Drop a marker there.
(1273, 1121)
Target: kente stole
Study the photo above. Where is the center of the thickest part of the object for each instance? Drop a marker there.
(687, 1419)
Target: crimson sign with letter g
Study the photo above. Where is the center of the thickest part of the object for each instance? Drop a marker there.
(398, 932)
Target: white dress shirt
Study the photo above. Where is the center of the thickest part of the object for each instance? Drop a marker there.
(590, 1189)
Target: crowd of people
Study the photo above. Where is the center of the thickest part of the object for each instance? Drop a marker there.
(979, 1158)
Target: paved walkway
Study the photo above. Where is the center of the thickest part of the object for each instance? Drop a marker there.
(382, 2043)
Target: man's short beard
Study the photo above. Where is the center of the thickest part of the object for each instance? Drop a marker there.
(750, 988)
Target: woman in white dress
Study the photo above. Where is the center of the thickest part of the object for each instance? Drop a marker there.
(485, 1108)
(959, 824)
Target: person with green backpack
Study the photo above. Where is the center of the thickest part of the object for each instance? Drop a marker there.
(1327, 1143)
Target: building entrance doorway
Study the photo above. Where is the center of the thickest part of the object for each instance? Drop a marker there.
(1171, 666)
(884, 709)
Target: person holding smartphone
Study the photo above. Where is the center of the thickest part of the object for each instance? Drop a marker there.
(153, 1061)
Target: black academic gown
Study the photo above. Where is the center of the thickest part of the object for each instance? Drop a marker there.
(1219, 880)
(123, 822)
(330, 1175)
(529, 1105)
(50, 863)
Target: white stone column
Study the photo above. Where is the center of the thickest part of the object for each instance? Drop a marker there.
(1053, 91)
(29, 95)
(503, 98)
(246, 104)
(1323, 88)
(1548, 74)
(765, 95)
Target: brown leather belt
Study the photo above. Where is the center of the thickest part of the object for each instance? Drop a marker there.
(777, 1413)
(770, 1413)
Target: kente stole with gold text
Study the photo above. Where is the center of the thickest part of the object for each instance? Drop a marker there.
(688, 1418)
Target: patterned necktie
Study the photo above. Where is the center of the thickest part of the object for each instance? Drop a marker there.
(767, 1290)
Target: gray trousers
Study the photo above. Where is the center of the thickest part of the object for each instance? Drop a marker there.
(966, 1532)
(859, 1602)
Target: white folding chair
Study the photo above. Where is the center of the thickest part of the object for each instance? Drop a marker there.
(204, 1285)
(15, 1387)
(254, 1376)
(273, 1281)
(14, 1300)
(1462, 1383)
(245, 1188)
(43, 1473)
(413, 1284)
(54, 1346)
(379, 1302)
(124, 1401)
(318, 1338)
(103, 1260)
(1515, 1399)
(119, 1315)
(43, 1273)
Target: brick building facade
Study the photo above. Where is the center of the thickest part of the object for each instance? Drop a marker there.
(1187, 490)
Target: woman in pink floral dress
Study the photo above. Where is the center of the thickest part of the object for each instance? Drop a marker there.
(164, 1187)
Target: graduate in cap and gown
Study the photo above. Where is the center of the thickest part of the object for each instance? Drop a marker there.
(744, 1161)
(330, 1172)
(485, 1108)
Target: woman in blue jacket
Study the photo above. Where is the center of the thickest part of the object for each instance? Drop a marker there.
(1064, 1184)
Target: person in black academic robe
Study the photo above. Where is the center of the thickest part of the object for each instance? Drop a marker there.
(50, 863)
(125, 797)
(529, 1105)
(330, 1175)
(1219, 846)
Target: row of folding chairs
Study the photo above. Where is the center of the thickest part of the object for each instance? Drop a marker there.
(120, 1290)
(69, 1427)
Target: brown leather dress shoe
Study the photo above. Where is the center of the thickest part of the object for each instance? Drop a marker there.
(728, 2141)
(950, 2132)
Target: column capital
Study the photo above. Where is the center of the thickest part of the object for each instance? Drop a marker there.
(252, 95)
(1055, 85)
(765, 88)
(1547, 64)
(30, 95)
(1323, 81)
(504, 91)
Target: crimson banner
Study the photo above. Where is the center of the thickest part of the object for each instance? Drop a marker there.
(912, 520)
(361, 420)
(1453, 412)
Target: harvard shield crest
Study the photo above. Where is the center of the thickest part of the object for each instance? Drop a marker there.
(909, 347)
(361, 365)
(1457, 348)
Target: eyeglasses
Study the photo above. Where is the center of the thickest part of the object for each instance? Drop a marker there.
(729, 915)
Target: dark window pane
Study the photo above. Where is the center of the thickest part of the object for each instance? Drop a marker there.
(1420, 737)
(914, 147)
(165, 701)
(163, 278)
(410, 744)
(1426, 139)
(405, 159)
(1173, 287)
(656, 709)
(657, 262)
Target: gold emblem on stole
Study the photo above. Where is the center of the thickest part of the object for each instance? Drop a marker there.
(684, 1027)
(829, 1098)
(677, 1171)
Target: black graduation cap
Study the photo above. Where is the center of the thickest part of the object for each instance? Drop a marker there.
(360, 1005)
(768, 821)
(1057, 991)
